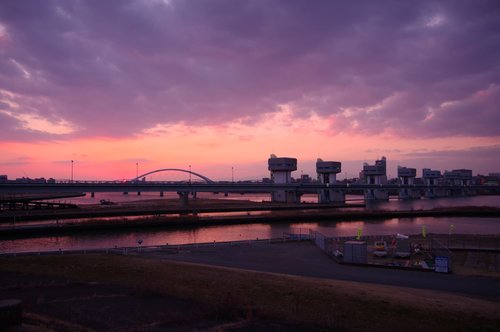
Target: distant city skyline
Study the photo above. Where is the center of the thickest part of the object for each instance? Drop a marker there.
(308, 168)
(121, 87)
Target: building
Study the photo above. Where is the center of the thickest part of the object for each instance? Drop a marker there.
(406, 177)
(433, 179)
(462, 179)
(281, 169)
(376, 175)
(327, 174)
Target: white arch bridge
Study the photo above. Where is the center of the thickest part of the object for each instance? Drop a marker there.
(136, 179)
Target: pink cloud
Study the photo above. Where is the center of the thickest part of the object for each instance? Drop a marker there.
(133, 64)
(88, 71)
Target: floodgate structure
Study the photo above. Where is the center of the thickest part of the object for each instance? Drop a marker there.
(373, 181)
(373, 184)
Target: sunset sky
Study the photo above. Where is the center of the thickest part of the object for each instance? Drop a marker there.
(223, 84)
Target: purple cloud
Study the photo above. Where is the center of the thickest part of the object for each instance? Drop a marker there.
(114, 68)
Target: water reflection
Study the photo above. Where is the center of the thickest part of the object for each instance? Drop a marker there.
(424, 203)
(131, 197)
(160, 236)
(392, 204)
(109, 239)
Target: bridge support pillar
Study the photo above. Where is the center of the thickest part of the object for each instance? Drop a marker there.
(125, 192)
(331, 196)
(285, 196)
(161, 193)
(92, 194)
(184, 197)
(376, 195)
(138, 193)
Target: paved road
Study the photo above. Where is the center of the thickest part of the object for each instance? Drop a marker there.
(305, 259)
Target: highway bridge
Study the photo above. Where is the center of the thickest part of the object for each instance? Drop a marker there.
(139, 186)
(10, 189)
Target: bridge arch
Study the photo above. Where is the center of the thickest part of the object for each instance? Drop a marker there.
(175, 170)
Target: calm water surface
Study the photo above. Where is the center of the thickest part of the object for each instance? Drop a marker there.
(114, 238)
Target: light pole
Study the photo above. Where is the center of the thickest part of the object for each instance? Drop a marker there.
(232, 174)
(72, 171)
(136, 171)
(189, 174)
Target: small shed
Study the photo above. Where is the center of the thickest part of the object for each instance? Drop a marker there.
(355, 252)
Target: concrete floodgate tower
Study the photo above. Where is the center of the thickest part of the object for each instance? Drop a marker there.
(462, 179)
(376, 175)
(281, 173)
(327, 174)
(432, 179)
(406, 177)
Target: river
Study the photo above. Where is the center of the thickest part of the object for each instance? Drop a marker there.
(149, 237)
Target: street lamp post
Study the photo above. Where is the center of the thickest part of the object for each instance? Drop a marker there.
(136, 171)
(232, 174)
(72, 171)
(189, 174)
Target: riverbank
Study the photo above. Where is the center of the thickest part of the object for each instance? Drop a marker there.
(157, 207)
(205, 212)
(97, 291)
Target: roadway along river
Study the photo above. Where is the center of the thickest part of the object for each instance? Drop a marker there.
(108, 239)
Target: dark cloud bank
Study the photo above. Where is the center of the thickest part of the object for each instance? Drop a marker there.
(113, 68)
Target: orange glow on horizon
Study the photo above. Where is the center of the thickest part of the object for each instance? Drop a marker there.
(213, 150)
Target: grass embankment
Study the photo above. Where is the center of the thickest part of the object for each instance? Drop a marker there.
(239, 295)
